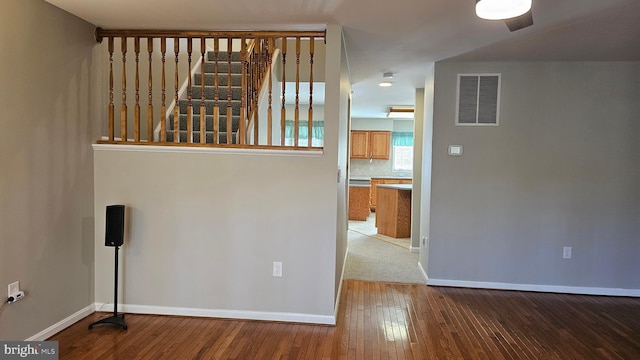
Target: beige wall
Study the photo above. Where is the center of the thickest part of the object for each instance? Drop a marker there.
(560, 170)
(204, 229)
(47, 74)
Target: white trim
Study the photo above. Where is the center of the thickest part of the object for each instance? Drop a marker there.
(219, 313)
(344, 266)
(205, 150)
(414, 249)
(423, 273)
(536, 288)
(63, 324)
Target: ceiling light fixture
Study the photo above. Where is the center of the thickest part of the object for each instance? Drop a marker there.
(501, 9)
(400, 113)
(386, 76)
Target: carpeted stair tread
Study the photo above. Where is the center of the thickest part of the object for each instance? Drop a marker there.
(209, 92)
(222, 123)
(209, 105)
(223, 79)
(222, 137)
(223, 56)
(223, 67)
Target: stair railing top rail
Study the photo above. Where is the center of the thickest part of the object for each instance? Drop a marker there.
(228, 89)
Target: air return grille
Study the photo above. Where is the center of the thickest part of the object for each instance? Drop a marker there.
(478, 99)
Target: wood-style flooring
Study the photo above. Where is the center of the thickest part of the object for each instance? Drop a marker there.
(386, 321)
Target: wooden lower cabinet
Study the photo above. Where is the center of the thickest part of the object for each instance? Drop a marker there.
(359, 202)
(377, 181)
(394, 214)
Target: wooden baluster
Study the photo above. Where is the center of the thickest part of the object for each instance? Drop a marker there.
(111, 106)
(163, 106)
(189, 104)
(310, 125)
(136, 112)
(176, 108)
(269, 110)
(123, 108)
(216, 95)
(283, 111)
(150, 105)
(254, 94)
(243, 98)
(203, 113)
(229, 109)
(296, 123)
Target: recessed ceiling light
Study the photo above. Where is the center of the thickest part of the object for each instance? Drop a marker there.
(501, 9)
(385, 83)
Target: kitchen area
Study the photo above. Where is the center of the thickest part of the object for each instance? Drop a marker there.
(380, 176)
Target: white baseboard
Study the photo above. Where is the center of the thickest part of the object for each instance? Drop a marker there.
(337, 304)
(215, 313)
(414, 249)
(536, 288)
(423, 273)
(63, 324)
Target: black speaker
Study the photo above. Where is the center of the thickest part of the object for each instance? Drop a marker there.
(114, 228)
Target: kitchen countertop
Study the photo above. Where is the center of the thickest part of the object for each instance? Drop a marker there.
(366, 178)
(360, 185)
(396, 186)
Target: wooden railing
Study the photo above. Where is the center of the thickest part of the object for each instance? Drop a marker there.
(236, 74)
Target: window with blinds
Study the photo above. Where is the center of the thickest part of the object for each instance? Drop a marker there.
(478, 99)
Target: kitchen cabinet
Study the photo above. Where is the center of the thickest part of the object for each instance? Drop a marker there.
(380, 141)
(378, 181)
(359, 144)
(359, 196)
(394, 213)
(370, 144)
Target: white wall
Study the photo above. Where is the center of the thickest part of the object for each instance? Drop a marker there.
(426, 175)
(336, 110)
(560, 170)
(47, 72)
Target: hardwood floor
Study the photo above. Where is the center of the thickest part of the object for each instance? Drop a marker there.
(386, 321)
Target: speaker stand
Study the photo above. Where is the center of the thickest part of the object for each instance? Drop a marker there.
(116, 319)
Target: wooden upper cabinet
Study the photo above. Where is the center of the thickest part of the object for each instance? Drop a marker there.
(359, 144)
(380, 142)
(370, 144)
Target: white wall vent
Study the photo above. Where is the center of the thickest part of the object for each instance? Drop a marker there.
(478, 99)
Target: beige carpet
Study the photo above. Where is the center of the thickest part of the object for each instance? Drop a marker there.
(374, 257)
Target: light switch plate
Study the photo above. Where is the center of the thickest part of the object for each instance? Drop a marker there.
(455, 150)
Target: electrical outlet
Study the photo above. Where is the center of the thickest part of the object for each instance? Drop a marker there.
(14, 288)
(277, 269)
(566, 252)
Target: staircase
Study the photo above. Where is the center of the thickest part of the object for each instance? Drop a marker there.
(209, 95)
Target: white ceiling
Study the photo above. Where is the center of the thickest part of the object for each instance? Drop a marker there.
(403, 37)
